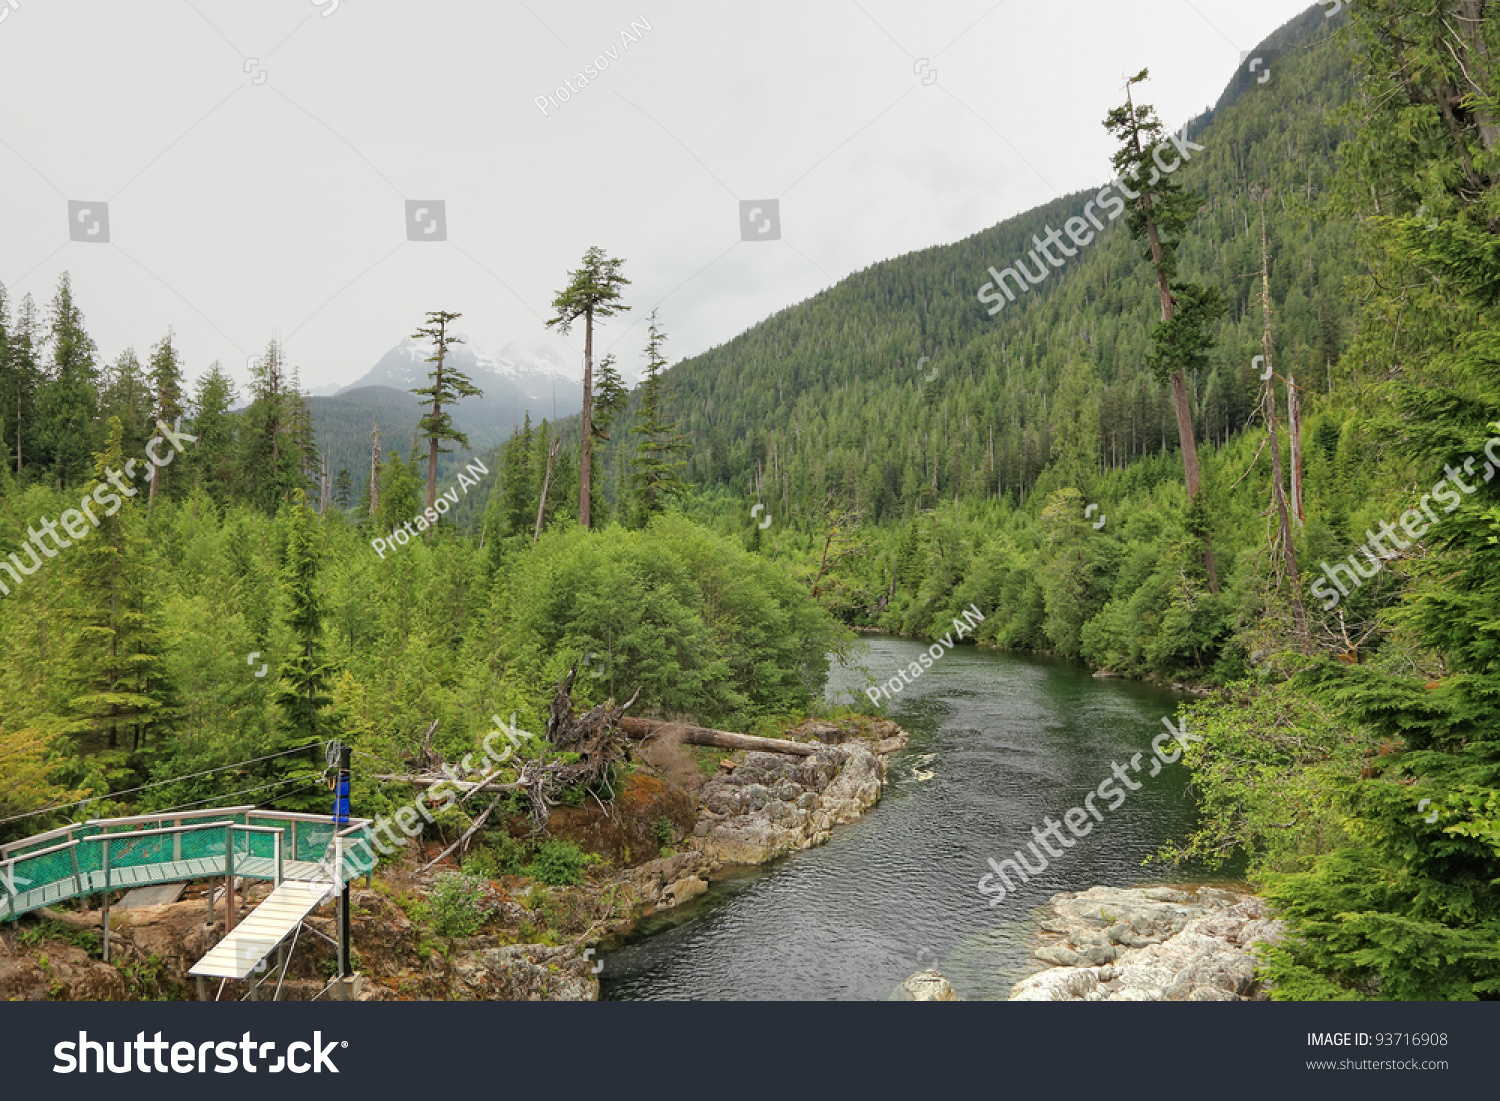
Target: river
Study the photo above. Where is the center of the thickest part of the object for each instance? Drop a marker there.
(999, 742)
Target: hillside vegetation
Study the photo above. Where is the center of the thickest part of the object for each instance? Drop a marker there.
(914, 455)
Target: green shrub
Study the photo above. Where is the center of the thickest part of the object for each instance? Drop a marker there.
(501, 854)
(48, 931)
(458, 905)
(666, 832)
(560, 864)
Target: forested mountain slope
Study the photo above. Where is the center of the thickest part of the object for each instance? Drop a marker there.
(829, 396)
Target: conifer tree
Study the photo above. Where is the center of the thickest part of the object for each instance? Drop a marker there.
(166, 388)
(592, 293)
(7, 381)
(118, 686)
(23, 365)
(659, 456)
(211, 459)
(303, 698)
(446, 386)
(343, 490)
(127, 395)
(302, 437)
(611, 397)
(1160, 212)
(400, 495)
(69, 402)
(519, 492)
(1408, 908)
(269, 461)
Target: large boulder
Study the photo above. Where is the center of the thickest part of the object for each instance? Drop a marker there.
(525, 973)
(1152, 944)
(774, 804)
(927, 986)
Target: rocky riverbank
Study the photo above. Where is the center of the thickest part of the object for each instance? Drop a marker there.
(1145, 944)
(766, 806)
(1150, 944)
(537, 940)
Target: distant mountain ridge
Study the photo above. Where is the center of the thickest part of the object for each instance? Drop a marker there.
(533, 368)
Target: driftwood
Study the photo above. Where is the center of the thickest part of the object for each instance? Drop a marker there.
(640, 729)
(470, 832)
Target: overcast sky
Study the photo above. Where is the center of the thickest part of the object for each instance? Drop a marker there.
(257, 156)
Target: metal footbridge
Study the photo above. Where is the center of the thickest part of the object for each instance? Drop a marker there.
(307, 856)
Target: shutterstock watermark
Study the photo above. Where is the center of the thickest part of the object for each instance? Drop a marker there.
(143, 1056)
(997, 293)
(81, 522)
(1411, 521)
(565, 91)
(904, 678)
(1077, 819)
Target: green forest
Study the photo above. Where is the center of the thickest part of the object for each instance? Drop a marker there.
(1168, 460)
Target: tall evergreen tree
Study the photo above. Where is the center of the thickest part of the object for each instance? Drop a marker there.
(211, 460)
(24, 381)
(69, 403)
(7, 382)
(343, 490)
(166, 388)
(303, 697)
(400, 494)
(269, 464)
(302, 437)
(127, 396)
(659, 456)
(519, 492)
(611, 397)
(1160, 213)
(446, 385)
(592, 293)
(115, 667)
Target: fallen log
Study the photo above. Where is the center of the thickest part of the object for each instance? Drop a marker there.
(640, 729)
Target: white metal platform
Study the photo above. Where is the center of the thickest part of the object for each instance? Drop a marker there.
(261, 930)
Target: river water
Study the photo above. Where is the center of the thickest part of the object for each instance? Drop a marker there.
(999, 742)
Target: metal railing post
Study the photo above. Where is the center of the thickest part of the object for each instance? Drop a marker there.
(105, 846)
(276, 841)
(343, 922)
(228, 878)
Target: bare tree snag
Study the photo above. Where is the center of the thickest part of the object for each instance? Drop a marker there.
(1282, 547)
(541, 508)
(640, 729)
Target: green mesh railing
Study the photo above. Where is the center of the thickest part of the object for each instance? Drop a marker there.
(116, 854)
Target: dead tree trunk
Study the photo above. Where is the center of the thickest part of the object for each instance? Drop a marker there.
(1294, 430)
(1282, 545)
(640, 729)
(541, 508)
